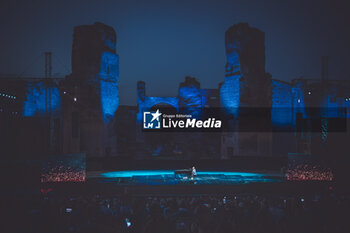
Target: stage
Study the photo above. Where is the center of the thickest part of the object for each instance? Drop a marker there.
(207, 182)
(166, 177)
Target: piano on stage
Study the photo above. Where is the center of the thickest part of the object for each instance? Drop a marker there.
(187, 172)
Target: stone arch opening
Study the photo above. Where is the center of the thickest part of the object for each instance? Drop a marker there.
(164, 108)
(163, 102)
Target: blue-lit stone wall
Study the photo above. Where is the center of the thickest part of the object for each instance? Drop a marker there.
(334, 104)
(282, 104)
(287, 101)
(109, 99)
(210, 98)
(109, 89)
(145, 103)
(151, 101)
(35, 101)
(230, 95)
(230, 91)
(190, 100)
(243, 42)
(346, 104)
(298, 101)
(281, 115)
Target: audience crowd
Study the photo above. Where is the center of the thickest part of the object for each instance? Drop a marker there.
(63, 174)
(236, 213)
(309, 172)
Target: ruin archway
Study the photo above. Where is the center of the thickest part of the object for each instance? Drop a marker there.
(162, 102)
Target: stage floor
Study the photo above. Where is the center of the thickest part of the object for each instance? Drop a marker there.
(166, 177)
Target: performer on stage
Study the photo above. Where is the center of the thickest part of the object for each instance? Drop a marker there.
(189, 172)
(194, 172)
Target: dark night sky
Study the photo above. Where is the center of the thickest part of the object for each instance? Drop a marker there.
(162, 41)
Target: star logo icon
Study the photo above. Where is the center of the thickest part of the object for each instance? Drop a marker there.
(151, 120)
(156, 115)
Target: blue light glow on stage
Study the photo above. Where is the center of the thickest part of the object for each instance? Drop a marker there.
(167, 177)
(123, 174)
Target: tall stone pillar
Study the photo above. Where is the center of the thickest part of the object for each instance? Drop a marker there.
(246, 84)
(94, 86)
